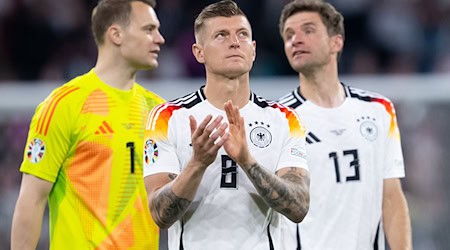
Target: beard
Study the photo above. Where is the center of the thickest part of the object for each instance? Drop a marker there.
(309, 66)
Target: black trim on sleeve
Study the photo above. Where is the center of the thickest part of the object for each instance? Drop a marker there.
(270, 238)
(181, 236)
(377, 235)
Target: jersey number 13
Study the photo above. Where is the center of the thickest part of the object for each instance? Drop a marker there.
(354, 163)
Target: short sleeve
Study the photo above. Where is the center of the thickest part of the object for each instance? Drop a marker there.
(159, 142)
(393, 161)
(49, 136)
(293, 152)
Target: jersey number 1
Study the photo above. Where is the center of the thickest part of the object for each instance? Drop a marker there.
(131, 146)
(353, 164)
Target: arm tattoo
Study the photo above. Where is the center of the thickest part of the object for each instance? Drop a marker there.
(172, 176)
(288, 194)
(168, 207)
(299, 181)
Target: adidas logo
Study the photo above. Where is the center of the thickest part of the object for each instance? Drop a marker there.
(312, 138)
(104, 129)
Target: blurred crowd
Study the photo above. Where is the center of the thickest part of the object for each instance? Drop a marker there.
(51, 40)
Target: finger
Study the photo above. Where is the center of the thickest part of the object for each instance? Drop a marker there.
(223, 140)
(219, 132)
(192, 124)
(199, 131)
(233, 113)
(228, 106)
(213, 125)
(237, 116)
(242, 122)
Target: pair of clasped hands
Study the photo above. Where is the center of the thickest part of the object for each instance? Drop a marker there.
(208, 137)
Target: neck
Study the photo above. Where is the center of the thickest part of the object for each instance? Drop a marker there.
(114, 71)
(322, 87)
(219, 90)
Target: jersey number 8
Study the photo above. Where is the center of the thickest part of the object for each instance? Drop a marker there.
(229, 173)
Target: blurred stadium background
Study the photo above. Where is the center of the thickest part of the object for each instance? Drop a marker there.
(399, 48)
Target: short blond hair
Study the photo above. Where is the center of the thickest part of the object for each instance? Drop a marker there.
(224, 8)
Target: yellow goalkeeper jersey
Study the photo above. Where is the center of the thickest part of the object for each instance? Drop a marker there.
(86, 139)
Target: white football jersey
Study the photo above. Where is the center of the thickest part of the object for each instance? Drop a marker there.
(351, 149)
(227, 211)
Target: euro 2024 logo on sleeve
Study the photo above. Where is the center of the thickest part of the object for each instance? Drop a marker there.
(150, 151)
(35, 150)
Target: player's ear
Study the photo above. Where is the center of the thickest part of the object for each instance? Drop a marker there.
(254, 50)
(114, 34)
(337, 43)
(197, 51)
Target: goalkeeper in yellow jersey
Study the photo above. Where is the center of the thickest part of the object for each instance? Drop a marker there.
(83, 149)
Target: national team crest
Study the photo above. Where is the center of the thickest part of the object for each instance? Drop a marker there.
(150, 151)
(368, 128)
(36, 150)
(260, 135)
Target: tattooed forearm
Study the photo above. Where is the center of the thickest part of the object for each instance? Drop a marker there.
(288, 194)
(167, 207)
(299, 179)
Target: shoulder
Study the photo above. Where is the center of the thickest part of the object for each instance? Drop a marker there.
(67, 94)
(284, 114)
(276, 108)
(61, 106)
(190, 100)
(293, 99)
(78, 87)
(370, 97)
(269, 104)
(79, 93)
(166, 110)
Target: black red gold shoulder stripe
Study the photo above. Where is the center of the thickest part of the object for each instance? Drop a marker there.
(371, 97)
(166, 109)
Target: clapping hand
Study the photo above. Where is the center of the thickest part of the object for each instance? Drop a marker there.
(207, 139)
